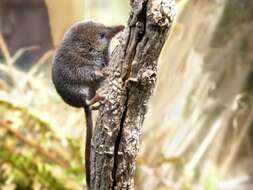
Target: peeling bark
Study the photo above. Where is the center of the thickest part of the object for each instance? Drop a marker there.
(133, 73)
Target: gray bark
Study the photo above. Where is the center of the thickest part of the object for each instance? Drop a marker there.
(133, 68)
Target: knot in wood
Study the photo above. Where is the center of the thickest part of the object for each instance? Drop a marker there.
(140, 27)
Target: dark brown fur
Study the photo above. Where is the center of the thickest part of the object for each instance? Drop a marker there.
(77, 69)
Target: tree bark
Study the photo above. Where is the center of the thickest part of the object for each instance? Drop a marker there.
(133, 73)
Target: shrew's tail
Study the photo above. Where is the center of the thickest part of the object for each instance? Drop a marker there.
(89, 126)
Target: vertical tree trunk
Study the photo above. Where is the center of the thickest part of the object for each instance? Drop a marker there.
(133, 69)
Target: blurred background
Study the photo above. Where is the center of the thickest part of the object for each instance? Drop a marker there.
(199, 128)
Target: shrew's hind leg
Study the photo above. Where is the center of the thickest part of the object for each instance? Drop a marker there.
(95, 99)
(100, 96)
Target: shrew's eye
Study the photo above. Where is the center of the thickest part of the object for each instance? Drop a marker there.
(102, 35)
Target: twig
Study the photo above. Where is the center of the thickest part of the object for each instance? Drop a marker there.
(37, 147)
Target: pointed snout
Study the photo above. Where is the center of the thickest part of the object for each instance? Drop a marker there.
(113, 30)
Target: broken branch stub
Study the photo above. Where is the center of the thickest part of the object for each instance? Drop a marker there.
(133, 73)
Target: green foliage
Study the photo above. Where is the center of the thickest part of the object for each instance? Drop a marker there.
(32, 155)
(25, 164)
(26, 171)
(211, 182)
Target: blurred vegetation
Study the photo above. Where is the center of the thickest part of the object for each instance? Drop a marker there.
(198, 132)
(32, 154)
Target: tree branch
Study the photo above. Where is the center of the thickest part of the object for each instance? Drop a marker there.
(133, 68)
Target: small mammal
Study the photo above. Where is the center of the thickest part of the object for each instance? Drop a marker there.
(77, 71)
